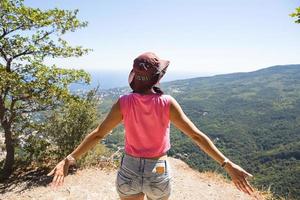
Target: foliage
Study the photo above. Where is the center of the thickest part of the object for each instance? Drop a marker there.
(253, 118)
(27, 85)
(95, 157)
(63, 129)
(296, 15)
(34, 148)
(68, 125)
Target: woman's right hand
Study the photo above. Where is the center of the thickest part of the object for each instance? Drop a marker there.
(59, 172)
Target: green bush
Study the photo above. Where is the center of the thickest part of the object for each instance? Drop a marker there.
(67, 126)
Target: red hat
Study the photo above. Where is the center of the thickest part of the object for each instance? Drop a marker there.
(147, 71)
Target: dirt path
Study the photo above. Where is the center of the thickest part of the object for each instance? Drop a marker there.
(92, 184)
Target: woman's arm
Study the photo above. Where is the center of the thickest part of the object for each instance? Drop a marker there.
(182, 122)
(112, 120)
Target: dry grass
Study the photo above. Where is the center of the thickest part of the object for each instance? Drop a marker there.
(95, 183)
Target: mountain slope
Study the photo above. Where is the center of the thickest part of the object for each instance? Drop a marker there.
(248, 115)
(254, 118)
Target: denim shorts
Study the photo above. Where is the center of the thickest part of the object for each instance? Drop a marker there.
(142, 175)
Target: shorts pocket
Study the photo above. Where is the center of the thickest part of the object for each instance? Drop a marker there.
(124, 183)
(161, 187)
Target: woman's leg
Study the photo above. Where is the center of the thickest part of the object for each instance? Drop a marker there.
(135, 197)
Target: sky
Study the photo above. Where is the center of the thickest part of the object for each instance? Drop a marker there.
(199, 37)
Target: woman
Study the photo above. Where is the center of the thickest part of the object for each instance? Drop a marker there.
(146, 114)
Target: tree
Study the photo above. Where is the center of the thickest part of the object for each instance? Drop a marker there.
(72, 120)
(62, 130)
(27, 85)
(296, 15)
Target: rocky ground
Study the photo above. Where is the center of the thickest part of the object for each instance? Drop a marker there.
(92, 184)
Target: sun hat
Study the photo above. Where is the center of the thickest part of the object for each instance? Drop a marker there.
(147, 71)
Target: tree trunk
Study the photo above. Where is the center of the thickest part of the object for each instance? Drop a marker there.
(10, 153)
(6, 124)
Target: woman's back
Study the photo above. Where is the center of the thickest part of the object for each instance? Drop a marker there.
(147, 124)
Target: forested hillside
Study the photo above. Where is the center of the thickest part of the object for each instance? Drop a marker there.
(254, 118)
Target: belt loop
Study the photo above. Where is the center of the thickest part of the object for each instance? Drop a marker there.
(140, 165)
(166, 167)
(144, 165)
(122, 159)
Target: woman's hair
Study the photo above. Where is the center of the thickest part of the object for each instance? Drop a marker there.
(157, 90)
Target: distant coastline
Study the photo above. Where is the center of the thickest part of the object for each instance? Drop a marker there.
(112, 79)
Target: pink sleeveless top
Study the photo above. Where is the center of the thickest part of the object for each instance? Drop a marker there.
(147, 124)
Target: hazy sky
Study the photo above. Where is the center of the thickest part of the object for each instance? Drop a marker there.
(200, 36)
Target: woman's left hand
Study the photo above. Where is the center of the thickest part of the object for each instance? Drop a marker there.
(238, 176)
